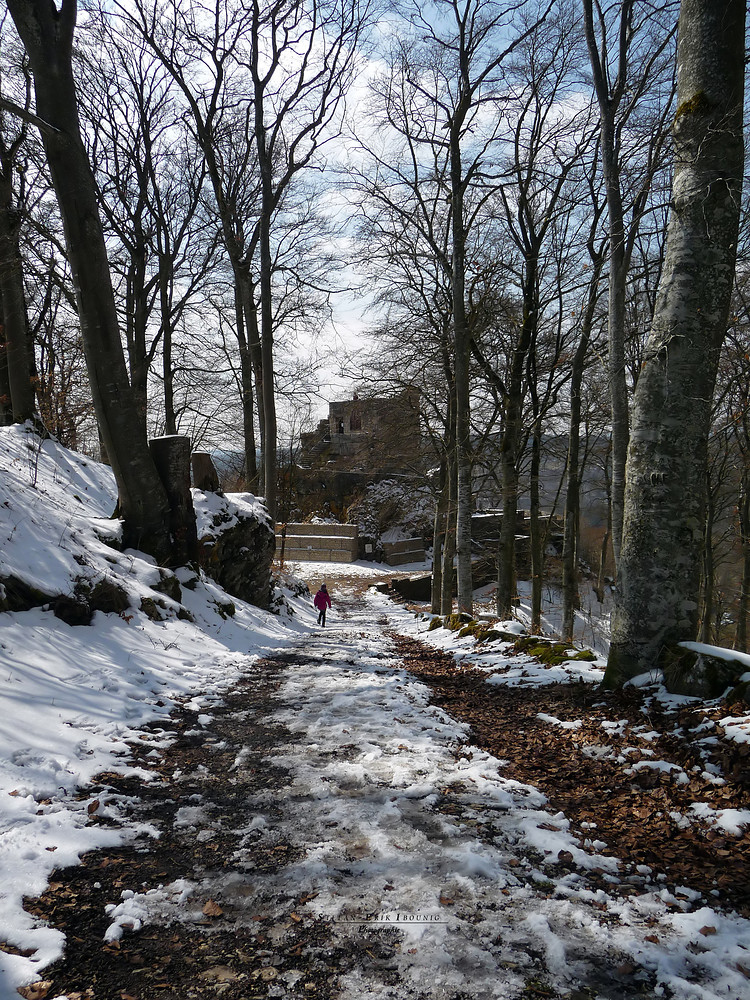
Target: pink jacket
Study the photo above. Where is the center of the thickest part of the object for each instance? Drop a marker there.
(322, 600)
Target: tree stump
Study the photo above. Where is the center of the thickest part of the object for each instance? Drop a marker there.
(205, 476)
(171, 455)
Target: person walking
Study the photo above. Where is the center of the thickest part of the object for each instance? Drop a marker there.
(322, 602)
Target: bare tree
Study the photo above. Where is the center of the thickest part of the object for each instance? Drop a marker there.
(535, 198)
(16, 344)
(303, 57)
(629, 48)
(47, 33)
(150, 180)
(665, 497)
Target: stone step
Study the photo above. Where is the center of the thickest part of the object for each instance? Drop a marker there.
(401, 558)
(404, 545)
(329, 530)
(318, 555)
(318, 542)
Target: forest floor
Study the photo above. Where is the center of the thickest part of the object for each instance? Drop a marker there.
(270, 836)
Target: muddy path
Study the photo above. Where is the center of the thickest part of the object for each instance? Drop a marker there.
(244, 830)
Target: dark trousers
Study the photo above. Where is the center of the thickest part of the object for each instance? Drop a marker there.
(322, 616)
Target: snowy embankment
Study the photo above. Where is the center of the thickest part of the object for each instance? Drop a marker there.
(72, 697)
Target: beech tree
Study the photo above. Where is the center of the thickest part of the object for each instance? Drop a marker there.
(150, 179)
(629, 52)
(536, 201)
(17, 350)
(303, 57)
(665, 494)
(47, 33)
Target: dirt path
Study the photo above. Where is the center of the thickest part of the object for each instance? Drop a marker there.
(247, 839)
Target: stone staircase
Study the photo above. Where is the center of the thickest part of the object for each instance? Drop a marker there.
(336, 543)
(409, 550)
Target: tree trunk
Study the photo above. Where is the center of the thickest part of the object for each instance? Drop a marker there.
(265, 167)
(506, 578)
(166, 276)
(438, 539)
(536, 535)
(251, 370)
(618, 389)
(6, 407)
(449, 544)
(709, 571)
(48, 36)
(461, 375)
(14, 320)
(609, 94)
(570, 593)
(740, 635)
(506, 565)
(604, 547)
(205, 476)
(136, 322)
(171, 456)
(665, 498)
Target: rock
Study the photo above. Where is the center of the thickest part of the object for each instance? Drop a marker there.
(109, 597)
(169, 585)
(72, 610)
(151, 609)
(696, 671)
(16, 595)
(236, 544)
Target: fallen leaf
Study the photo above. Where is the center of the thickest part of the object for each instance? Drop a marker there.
(446, 901)
(296, 918)
(268, 974)
(219, 974)
(212, 909)
(565, 857)
(93, 806)
(36, 991)
(653, 938)
(707, 931)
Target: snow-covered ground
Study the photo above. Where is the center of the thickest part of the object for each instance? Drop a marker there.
(368, 765)
(373, 763)
(72, 696)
